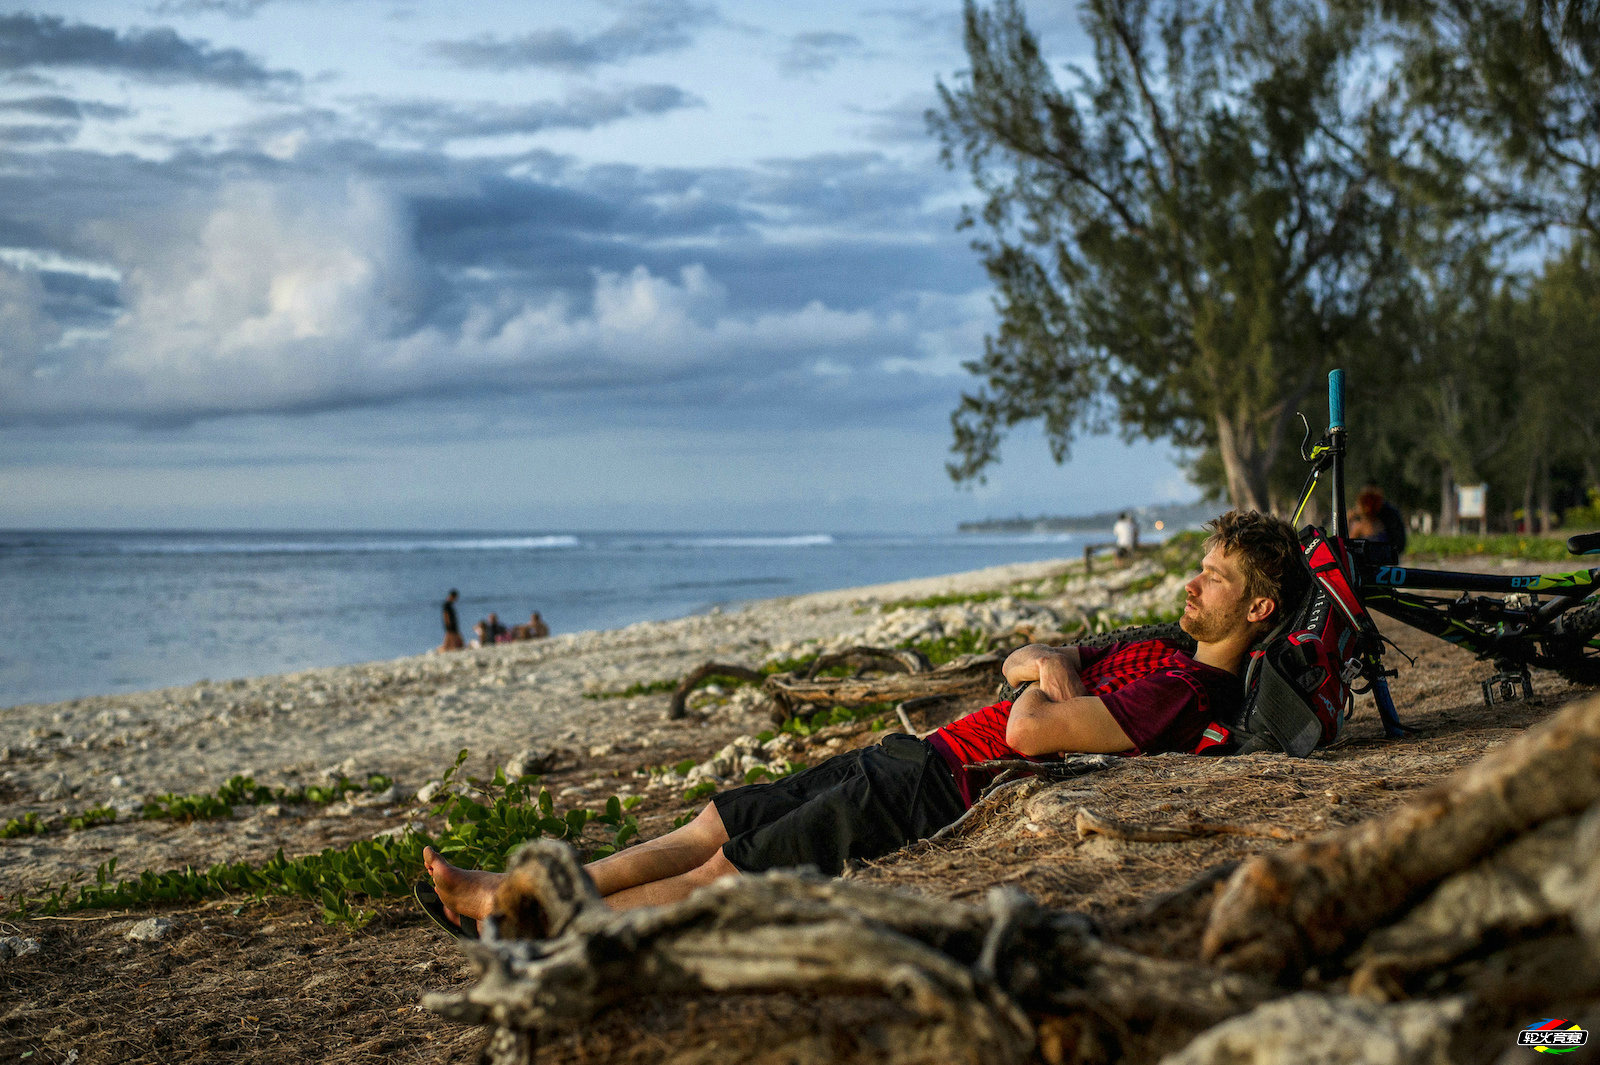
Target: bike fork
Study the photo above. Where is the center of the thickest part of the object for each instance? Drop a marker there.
(1391, 720)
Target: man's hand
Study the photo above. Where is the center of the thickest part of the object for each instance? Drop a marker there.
(1054, 669)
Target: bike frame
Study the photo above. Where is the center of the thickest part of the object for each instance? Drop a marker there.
(1502, 633)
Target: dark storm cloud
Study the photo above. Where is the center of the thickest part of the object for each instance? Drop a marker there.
(24, 135)
(811, 53)
(63, 107)
(643, 29)
(32, 41)
(435, 122)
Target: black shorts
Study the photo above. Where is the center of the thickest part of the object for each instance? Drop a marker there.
(861, 804)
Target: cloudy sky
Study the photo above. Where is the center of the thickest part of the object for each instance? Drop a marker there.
(651, 264)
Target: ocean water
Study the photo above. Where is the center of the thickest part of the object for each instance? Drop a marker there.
(89, 613)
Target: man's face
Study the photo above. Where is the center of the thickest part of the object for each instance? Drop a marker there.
(1215, 606)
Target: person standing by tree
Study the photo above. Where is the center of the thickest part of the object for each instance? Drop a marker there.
(1126, 534)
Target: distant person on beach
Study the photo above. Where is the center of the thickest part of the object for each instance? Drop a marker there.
(493, 631)
(1134, 698)
(1376, 518)
(1126, 533)
(480, 635)
(452, 629)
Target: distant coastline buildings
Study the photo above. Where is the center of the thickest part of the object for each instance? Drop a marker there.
(1174, 517)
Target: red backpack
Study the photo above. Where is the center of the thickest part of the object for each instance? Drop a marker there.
(1298, 684)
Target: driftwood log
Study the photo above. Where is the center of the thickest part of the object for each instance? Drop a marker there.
(884, 675)
(1477, 904)
(967, 676)
(970, 978)
(680, 695)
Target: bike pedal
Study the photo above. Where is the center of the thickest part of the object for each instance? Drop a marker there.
(1504, 687)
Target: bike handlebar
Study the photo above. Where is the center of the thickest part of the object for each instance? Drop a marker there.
(1336, 399)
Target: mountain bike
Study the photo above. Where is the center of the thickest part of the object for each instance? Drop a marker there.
(1545, 620)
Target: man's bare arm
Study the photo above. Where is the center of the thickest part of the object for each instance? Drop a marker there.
(1039, 725)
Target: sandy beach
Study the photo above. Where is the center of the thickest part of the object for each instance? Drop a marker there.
(407, 718)
(267, 979)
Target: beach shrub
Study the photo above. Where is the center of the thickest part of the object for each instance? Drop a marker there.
(27, 825)
(943, 649)
(1585, 518)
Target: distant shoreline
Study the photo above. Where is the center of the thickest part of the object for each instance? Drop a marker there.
(1173, 516)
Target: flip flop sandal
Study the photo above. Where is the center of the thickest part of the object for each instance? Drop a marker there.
(433, 906)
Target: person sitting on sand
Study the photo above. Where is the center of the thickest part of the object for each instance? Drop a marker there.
(1132, 698)
(535, 629)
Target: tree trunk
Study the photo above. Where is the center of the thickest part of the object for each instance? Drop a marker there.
(1247, 482)
(1527, 495)
(1449, 524)
(1544, 495)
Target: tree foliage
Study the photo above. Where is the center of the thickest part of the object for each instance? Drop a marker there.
(1235, 197)
(1185, 239)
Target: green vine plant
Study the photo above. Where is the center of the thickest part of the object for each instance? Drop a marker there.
(485, 820)
(238, 791)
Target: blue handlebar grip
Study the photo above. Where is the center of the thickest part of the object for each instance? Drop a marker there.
(1335, 399)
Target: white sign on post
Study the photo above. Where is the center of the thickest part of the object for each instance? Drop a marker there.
(1472, 501)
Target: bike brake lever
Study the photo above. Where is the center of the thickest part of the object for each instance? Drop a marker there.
(1305, 453)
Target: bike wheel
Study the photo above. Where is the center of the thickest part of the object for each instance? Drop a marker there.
(1578, 659)
(1170, 632)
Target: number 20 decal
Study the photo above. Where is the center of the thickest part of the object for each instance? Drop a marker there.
(1390, 575)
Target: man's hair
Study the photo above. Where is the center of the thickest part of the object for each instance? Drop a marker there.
(1268, 553)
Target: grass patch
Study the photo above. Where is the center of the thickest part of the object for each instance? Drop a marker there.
(1506, 545)
(960, 599)
(482, 827)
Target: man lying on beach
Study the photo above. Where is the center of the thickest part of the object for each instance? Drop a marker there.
(1140, 698)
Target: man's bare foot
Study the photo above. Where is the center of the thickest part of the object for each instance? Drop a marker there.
(463, 891)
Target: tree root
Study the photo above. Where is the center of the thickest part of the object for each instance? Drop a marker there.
(1089, 823)
(1285, 910)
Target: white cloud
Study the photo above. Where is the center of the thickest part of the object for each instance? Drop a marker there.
(300, 296)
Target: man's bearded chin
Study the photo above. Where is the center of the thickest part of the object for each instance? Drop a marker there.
(1212, 626)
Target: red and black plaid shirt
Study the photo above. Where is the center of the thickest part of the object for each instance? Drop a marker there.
(1160, 697)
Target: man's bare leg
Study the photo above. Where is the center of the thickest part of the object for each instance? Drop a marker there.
(673, 888)
(681, 852)
(678, 852)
